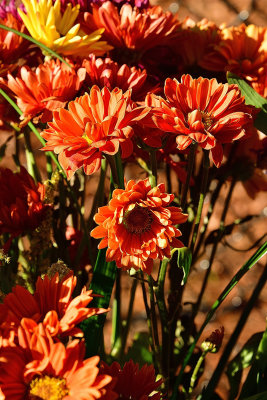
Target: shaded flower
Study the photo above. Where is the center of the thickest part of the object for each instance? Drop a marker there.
(242, 50)
(74, 238)
(22, 206)
(47, 88)
(130, 27)
(52, 303)
(138, 225)
(86, 5)
(132, 382)
(105, 72)
(8, 7)
(12, 46)
(94, 124)
(38, 368)
(247, 164)
(57, 31)
(213, 343)
(261, 84)
(202, 111)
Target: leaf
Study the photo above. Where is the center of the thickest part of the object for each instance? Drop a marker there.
(102, 284)
(259, 396)
(241, 361)
(252, 98)
(184, 261)
(4, 146)
(139, 351)
(256, 379)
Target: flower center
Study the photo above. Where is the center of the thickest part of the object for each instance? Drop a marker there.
(48, 388)
(207, 119)
(138, 220)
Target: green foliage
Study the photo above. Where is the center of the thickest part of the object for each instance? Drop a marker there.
(252, 98)
(184, 261)
(241, 361)
(256, 381)
(102, 284)
(139, 351)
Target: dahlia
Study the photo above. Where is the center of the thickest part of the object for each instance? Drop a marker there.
(50, 87)
(105, 72)
(242, 50)
(131, 27)
(22, 207)
(132, 382)
(138, 225)
(38, 368)
(46, 24)
(202, 111)
(95, 124)
(52, 303)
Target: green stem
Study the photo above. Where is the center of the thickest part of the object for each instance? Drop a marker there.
(242, 271)
(153, 312)
(31, 163)
(209, 390)
(190, 167)
(120, 350)
(214, 249)
(196, 371)
(153, 168)
(163, 312)
(207, 218)
(203, 189)
(39, 44)
(116, 315)
(49, 167)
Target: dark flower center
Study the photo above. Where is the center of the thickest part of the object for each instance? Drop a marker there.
(207, 119)
(138, 220)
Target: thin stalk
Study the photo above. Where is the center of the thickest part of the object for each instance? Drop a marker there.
(196, 371)
(126, 323)
(207, 218)
(163, 312)
(203, 189)
(39, 44)
(190, 167)
(49, 167)
(214, 248)
(168, 175)
(234, 281)
(149, 322)
(116, 313)
(153, 312)
(209, 391)
(31, 163)
(153, 168)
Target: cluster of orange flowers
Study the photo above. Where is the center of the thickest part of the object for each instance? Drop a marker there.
(122, 88)
(35, 363)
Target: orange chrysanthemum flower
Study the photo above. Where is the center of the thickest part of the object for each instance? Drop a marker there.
(194, 40)
(202, 111)
(52, 303)
(22, 207)
(95, 124)
(242, 50)
(249, 164)
(132, 382)
(50, 87)
(105, 72)
(138, 225)
(131, 27)
(12, 46)
(38, 368)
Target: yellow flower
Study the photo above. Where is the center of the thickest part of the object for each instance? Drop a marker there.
(46, 24)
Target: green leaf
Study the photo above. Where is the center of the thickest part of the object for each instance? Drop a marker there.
(39, 44)
(259, 396)
(234, 281)
(102, 284)
(184, 261)
(241, 361)
(139, 351)
(252, 98)
(256, 379)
